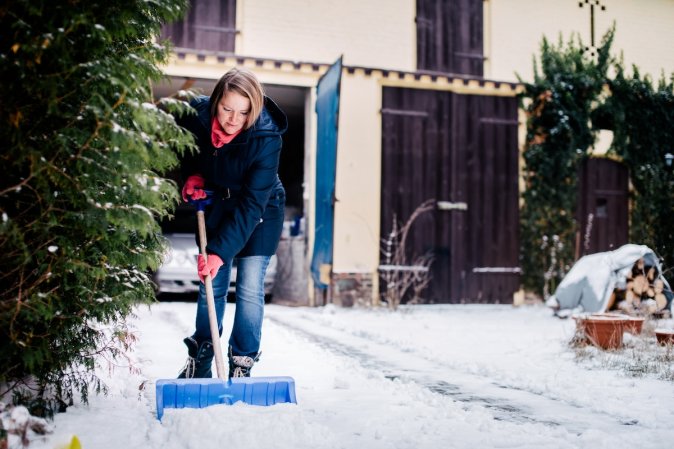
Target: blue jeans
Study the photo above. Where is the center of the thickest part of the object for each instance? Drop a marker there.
(247, 329)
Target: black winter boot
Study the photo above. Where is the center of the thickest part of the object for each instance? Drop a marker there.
(199, 359)
(240, 365)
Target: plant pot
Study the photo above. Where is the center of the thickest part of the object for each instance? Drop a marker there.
(665, 336)
(605, 332)
(634, 324)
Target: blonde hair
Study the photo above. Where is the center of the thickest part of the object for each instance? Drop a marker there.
(243, 82)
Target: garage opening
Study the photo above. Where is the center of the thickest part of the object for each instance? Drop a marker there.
(179, 279)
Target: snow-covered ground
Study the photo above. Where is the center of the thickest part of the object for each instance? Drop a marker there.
(445, 376)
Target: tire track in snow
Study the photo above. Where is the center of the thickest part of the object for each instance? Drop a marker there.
(504, 402)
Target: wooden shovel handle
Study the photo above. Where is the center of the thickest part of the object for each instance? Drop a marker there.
(210, 299)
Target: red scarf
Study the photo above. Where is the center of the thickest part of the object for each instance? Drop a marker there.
(218, 135)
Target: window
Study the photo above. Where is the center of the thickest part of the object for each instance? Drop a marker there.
(207, 25)
(450, 36)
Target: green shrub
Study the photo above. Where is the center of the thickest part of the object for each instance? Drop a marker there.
(643, 126)
(558, 105)
(571, 98)
(83, 147)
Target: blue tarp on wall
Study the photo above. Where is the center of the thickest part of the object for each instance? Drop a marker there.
(327, 112)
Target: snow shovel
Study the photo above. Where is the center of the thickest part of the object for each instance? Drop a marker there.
(200, 393)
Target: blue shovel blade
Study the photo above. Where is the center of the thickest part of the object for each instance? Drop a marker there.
(200, 393)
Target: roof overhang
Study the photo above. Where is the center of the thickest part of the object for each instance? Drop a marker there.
(195, 64)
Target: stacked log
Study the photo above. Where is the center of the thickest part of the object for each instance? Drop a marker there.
(644, 291)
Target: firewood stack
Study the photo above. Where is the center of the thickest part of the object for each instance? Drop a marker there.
(644, 291)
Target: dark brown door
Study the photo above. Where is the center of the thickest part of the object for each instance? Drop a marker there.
(460, 150)
(450, 36)
(602, 206)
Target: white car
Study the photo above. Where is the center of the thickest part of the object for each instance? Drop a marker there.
(178, 273)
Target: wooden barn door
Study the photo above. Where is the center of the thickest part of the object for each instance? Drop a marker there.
(602, 206)
(460, 150)
(450, 36)
(416, 165)
(208, 25)
(487, 161)
(327, 113)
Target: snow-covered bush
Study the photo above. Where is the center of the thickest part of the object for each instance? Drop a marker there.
(404, 278)
(83, 150)
(18, 426)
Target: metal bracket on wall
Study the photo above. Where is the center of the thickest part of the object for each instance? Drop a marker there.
(497, 270)
(415, 268)
(449, 205)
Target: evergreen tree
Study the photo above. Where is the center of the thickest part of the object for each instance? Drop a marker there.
(558, 106)
(570, 99)
(83, 147)
(642, 119)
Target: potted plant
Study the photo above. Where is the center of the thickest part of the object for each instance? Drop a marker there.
(665, 336)
(605, 331)
(634, 324)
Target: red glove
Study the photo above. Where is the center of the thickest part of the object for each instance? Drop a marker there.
(211, 266)
(193, 188)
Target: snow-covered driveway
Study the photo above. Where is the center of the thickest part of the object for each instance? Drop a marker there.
(422, 377)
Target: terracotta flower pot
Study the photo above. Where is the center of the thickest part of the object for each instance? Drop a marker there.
(665, 336)
(605, 332)
(634, 324)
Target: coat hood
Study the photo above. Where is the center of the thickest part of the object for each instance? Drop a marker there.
(272, 120)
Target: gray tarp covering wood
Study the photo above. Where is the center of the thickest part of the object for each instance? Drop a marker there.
(592, 278)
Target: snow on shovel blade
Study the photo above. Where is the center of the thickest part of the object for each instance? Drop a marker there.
(200, 393)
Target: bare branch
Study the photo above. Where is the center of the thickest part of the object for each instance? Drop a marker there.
(398, 275)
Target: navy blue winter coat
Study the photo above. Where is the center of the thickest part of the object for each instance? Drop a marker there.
(246, 216)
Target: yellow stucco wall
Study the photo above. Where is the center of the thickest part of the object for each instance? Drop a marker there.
(372, 33)
(644, 32)
(358, 179)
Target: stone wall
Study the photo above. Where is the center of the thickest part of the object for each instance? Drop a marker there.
(352, 289)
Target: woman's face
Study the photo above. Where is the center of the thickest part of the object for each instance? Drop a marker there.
(233, 110)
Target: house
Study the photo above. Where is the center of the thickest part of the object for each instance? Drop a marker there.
(395, 102)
